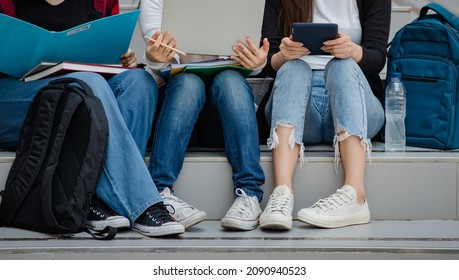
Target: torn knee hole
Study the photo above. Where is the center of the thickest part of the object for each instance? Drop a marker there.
(342, 135)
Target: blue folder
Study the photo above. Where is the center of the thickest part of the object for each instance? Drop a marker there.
(24, 45)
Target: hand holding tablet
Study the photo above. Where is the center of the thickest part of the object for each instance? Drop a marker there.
(312, 35)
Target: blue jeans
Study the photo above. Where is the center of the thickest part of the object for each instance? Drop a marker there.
(225, 111)
(129, 100)
(320, 104)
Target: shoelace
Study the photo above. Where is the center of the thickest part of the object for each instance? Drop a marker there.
(280, 202)
(334, 201)
(99, 208)
(239, 207)
(159, 213)
(179, 204)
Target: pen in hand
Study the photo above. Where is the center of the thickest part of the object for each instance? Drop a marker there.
(166, 46)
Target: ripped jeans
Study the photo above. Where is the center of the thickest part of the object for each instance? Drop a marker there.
(323, 106)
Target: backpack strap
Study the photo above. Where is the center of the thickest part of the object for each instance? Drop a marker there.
(108, 233)
(442, 12)
(53, 95)
(107, 7)
(81, 83)
(72, 103)
(30, 159)
(7, 8)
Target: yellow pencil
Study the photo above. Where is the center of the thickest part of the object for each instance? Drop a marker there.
(164, 45)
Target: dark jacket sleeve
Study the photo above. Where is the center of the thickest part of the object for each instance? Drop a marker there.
(375, 20)
(271, 31)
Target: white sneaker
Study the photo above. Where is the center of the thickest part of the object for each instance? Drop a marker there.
(184, 213)
(278, 211)
(243, 214)
(338, 210)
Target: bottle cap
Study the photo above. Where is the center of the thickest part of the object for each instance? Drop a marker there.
(396, 75)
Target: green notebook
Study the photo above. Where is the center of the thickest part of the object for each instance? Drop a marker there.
(206, 70)
(208, 73)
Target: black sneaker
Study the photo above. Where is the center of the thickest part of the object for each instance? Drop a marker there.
(101, 216)
(156, 221)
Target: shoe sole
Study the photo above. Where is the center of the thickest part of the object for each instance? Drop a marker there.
(357, 220)
(274, 221)
(159, 231)
(193, 219)
(233, 224)
(279, 225)
(116, 223)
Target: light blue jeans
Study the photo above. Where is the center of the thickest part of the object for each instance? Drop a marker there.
(129, 100)
(227, 118)
(319, 104)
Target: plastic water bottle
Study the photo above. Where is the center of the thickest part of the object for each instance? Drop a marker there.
(395, 137)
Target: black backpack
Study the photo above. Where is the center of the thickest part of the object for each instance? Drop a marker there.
(58, 159)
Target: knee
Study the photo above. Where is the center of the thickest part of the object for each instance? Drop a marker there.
(138, 84)
(295, 68)
(340, 66)
(186, 88)
(230, 84)
(137, 76)
(228, 77)
(187, 81)
(139, 79)
(90, 78)
(98, 85)
(294, 79)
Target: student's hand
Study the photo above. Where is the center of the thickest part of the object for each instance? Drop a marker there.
(251, 57)
(342, 47)
(288, 50)
(128, 59)
(156, 52)
(292, 50)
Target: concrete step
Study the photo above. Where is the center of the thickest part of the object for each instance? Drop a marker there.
(412, 195)
(207, 241)
(419, 184)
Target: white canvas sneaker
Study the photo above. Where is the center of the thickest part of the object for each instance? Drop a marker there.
(184, 213)
(338, 210)
(278, 211)
(243, 214)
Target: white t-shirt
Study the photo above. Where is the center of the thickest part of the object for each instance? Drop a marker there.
(345, 13)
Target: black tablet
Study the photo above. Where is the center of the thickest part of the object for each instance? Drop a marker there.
(312, 35)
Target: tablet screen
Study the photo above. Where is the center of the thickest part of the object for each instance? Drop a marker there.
(312, 35)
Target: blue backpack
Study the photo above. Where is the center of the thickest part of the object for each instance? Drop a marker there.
(426, 53)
